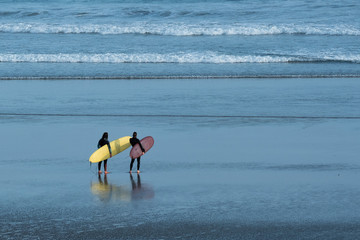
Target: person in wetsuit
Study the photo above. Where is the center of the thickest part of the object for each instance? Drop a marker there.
(104, 141)
(133, 141)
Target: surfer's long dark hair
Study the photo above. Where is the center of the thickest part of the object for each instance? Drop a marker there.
(105, 135)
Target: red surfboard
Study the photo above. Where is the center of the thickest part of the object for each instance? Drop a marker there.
(146, 142)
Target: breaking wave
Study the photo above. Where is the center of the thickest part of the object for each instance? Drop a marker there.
(180, 29)
(194, 57)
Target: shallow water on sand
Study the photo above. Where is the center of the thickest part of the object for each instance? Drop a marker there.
(207, 177)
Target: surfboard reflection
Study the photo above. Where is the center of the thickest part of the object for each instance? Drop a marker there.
(107, 192)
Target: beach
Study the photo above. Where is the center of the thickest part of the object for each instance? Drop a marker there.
(253, 106)
(286, 168)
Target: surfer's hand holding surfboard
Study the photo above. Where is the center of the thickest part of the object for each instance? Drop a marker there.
(146, 142)
(116, 147)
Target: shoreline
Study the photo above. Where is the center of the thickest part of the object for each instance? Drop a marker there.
(179, 116)
(199, 77)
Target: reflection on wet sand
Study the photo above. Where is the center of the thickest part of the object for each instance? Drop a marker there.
(107, 192)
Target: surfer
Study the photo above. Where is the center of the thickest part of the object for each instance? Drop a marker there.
(104, 141)
(133, 141)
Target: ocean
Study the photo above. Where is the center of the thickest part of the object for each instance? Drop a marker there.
(253, 106)
(152, 39)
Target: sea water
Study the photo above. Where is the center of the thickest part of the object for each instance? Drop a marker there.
(253, 106)
(128, 39)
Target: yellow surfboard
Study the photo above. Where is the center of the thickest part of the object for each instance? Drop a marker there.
(117, 146)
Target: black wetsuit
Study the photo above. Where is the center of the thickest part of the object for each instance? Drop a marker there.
(133, 142)
(101, 143)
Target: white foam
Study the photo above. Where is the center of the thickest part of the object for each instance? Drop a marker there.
(194, 57)
(139, 58)
(181, 29)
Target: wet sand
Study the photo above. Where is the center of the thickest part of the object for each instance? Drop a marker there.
(205, 178)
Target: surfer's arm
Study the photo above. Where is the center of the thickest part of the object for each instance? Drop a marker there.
(109, 149)
(142, 149)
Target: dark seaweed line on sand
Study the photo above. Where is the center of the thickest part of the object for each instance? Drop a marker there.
(180, 77)
(174, 116)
